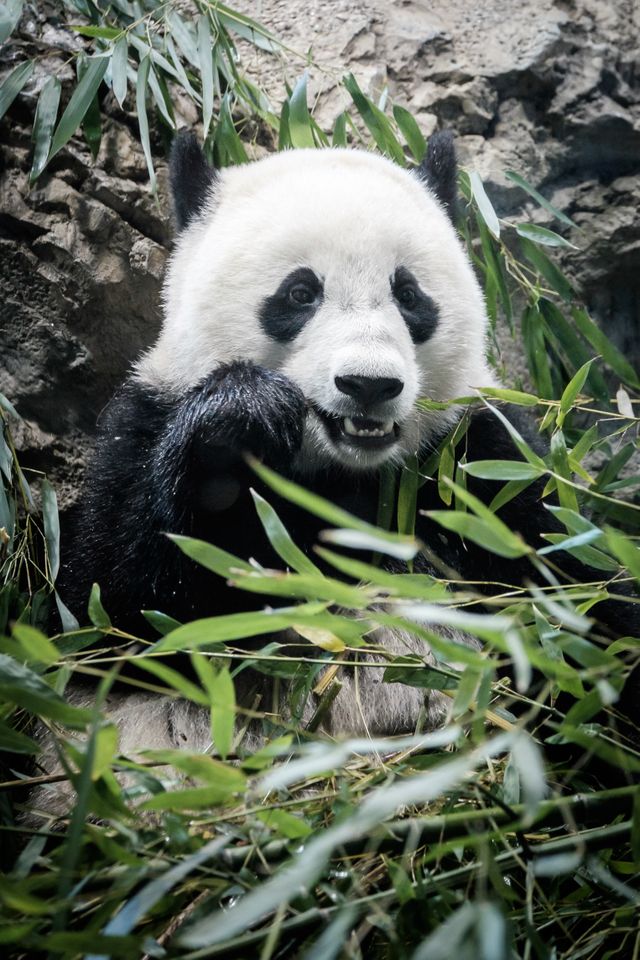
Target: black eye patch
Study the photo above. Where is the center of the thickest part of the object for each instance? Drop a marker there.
(418, 310)
(284, 314)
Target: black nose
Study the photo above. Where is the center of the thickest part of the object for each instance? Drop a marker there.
(369, 390)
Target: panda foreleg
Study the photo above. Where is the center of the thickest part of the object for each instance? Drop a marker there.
(165, 465)
(240, 408)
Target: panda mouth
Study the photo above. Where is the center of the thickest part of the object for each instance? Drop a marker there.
(362, 432)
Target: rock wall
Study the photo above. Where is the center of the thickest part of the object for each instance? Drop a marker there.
(550, 89)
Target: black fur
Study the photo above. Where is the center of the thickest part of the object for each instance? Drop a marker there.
(439, 170)
(164, 466)
(281, 316)
(190, 176)
(421, 316)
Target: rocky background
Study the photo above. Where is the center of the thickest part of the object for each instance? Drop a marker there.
(549, 88)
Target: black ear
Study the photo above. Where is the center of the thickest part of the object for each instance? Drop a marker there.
(190, 176)
(439, 170)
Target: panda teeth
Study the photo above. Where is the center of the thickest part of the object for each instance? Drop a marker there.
(382, 431)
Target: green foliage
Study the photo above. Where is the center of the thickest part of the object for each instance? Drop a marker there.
(480, 839)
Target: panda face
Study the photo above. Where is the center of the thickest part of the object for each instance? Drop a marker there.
(342, 271)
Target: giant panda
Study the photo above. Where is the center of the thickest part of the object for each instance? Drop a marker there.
(312, 297)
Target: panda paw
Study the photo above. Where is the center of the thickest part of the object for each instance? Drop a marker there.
(246, 408)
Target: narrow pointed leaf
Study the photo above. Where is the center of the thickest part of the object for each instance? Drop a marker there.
(43, 124)
(603, 345)
(410, 130)
(339, 138)
(300, 130)
(119, 62)
(521, 182)
(206, 71)
(10, 13)
(80, 101)
(223, 712)
(143, 120)
(541, 235)
(484, 205)
(547, 269)
(572, 390)
(13, 84)
(280, 539)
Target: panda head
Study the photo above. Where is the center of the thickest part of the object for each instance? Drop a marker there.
(339, 269)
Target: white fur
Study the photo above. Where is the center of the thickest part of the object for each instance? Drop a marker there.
(353, 218)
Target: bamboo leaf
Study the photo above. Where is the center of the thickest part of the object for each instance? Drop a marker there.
(410, 130)
(496, 539)
(212, 558)
(97, 614)
(10, 13)
(300, 130)
(143, 120)
(541, 235)
(601, 343)
(206, 71)
(294, 828)
(35, 647)
(415, 673)
(324, 509)
(227, 142)
(521, 182)
(193, 798)
(102, 33)
(484, 205)
(496, 277)
(240, 626)
(161, 97)
(181, 73)
(184, 36)
(15, 742)
(91, 122)
(13, 84)
(233, 626)
(572, 390)
(223, 712)
(408, 496)
(511, 396)
(280, 539)
(302, 872)
(20, 685)
(320, 638)
(277, 584)
(530, 455)
(377, 123)
(81, 99)
(576, 547)
(43, 124)
(339, 138)
(502, 470)
(547, 269)
(560, 461)
(247, 28)
(364, 540)
(145, 900)
(626, 551)
(51, 526)
(536, 351)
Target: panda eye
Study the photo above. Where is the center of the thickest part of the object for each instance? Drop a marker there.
(418, 309)
(302, 295)
(406, 295)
